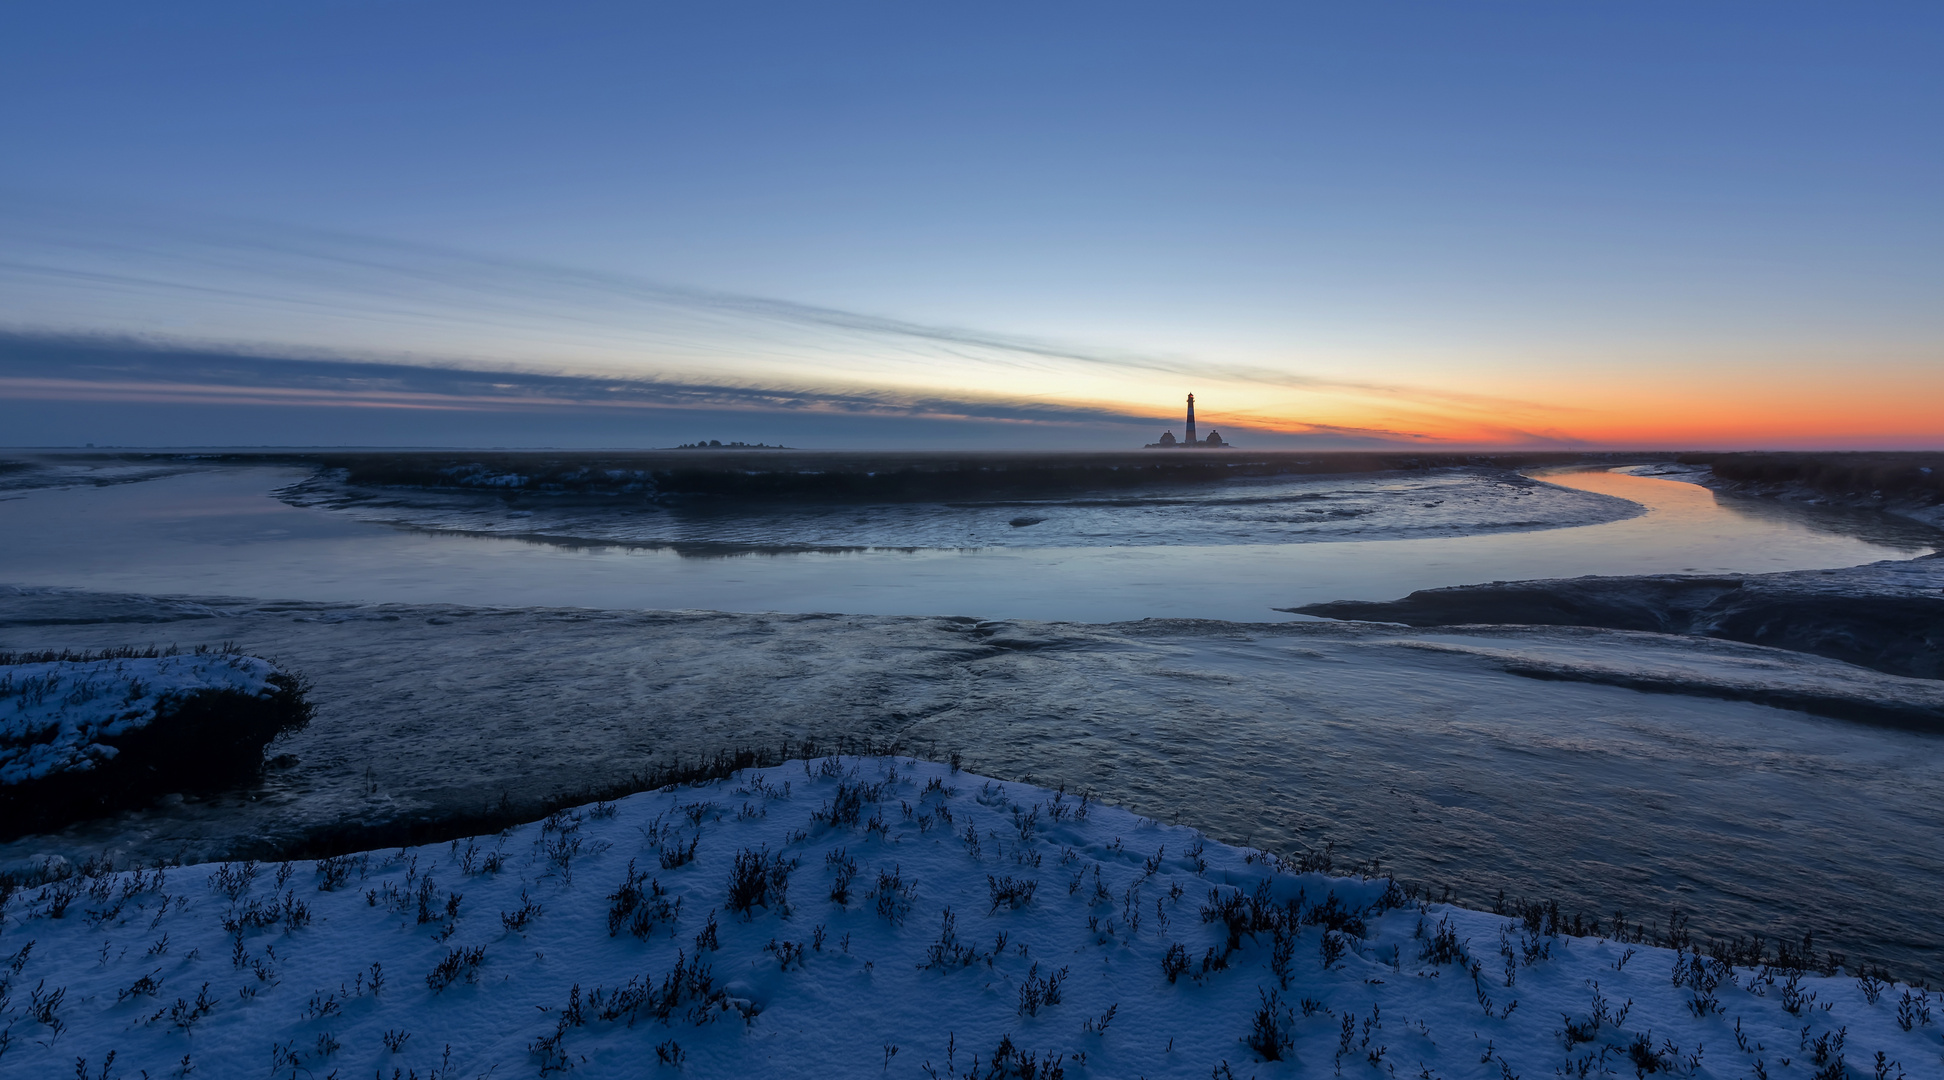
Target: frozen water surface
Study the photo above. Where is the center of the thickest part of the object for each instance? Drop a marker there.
(453, 668)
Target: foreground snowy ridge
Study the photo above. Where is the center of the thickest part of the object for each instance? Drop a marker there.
(874, 916)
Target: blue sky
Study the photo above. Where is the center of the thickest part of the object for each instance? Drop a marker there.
(1559, 224)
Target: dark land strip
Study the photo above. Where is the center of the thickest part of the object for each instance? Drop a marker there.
(1888, 616)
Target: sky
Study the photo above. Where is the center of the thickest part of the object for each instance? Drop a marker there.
(1696, 226)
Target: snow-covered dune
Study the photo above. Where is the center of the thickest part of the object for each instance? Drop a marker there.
(879, 916)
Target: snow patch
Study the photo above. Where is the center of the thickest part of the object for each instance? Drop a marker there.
(55, 716)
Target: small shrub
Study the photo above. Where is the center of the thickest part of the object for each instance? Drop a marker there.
(560, 852)
(335, 871)
(322, 1005)
(184, 1014)
(759, 878)
(1580, 1031)
(948, 951)
(1647, 1060)
(458, 964)
(1175, 964)
(1912, 1009)
(894, 895)
(233, 880)
(787, 953)
(675, 855)
(1333, 914)
(1794, 1000)
(43, 1005)
(1015, 893)
(1444, 946)
(1036, 992)
(1331, 948)
(516, 921)
(640, 910)
(840, 886)
(147, 986)
(1282, 951)
(1269, 1030)
(622, 901)
(1827, 1052)
(846, 807)
(1009, 1062)
(1099, 1026)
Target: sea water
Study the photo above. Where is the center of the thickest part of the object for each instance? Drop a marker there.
(1237, 553)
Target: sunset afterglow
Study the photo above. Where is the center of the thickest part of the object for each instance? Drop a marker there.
(1571, 226)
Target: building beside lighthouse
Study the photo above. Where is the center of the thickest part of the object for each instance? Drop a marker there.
(1168, 441)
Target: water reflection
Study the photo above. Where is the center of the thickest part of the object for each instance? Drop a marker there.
(218, 532)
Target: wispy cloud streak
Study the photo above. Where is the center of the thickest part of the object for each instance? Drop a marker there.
(442, 303)
(73, 368)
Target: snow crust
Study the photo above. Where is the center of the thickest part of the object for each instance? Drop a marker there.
(907, 920)
(54, 715)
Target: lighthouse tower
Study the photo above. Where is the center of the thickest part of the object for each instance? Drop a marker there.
(1193, 440)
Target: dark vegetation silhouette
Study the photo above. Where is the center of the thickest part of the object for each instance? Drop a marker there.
(1861, 474)
(1897, 633)
(844, 476)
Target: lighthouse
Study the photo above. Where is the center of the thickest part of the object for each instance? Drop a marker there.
(1192, 441)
